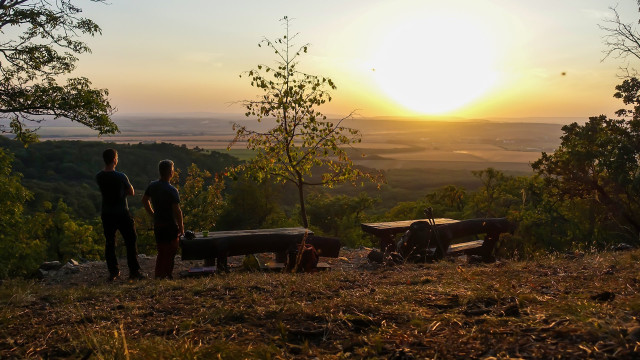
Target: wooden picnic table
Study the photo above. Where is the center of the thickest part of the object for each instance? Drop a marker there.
(221, 244)
(448, 230)
(386, 231)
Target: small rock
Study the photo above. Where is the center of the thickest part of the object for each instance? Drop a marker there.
(604, 296)
(622, 247)
(375, 256)
(393, 258)
(73, 262)
(50, 265)
(634, 333)
(476, 312)
(512, 310)
(41, 274)
(69, 269)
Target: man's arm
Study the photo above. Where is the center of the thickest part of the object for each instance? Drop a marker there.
(146, 202)
(128, 188)
(177, 214)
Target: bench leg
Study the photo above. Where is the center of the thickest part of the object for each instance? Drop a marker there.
(281, 257)
(222, 263)
(210, 262)
(489, 244)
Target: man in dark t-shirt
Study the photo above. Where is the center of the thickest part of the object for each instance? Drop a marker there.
(115, 187)
(162, 201)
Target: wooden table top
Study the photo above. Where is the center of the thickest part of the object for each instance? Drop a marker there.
(399, 226)
(297, 231)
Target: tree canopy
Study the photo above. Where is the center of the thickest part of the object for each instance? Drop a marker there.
(41, 40)
(600, 161)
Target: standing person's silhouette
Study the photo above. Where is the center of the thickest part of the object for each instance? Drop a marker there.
(115, 187)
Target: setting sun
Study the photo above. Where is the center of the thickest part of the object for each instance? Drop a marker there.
(436, 64)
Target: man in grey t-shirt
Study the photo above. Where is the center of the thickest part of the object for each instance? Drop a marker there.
(162, 201)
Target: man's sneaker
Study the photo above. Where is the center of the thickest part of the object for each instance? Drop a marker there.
(138, 276)
(113, 276)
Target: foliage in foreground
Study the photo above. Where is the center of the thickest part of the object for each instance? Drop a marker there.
(573, 306)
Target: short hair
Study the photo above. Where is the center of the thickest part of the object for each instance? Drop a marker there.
(109, 156)
(164, 167)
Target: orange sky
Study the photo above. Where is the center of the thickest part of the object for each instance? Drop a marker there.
(471, 58)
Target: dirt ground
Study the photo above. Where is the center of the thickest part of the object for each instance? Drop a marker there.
(96, 271)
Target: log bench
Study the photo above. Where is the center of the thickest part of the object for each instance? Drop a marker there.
(447, 231)
(219, 245)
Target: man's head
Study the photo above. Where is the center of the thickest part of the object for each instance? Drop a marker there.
(165, 167)
(110, 156)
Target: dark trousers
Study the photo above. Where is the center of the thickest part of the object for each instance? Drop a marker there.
(165, 259)
(123, 223)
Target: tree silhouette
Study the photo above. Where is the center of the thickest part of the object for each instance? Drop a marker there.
(43, 47)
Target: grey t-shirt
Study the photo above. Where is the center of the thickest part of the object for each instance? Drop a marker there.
(163, 195)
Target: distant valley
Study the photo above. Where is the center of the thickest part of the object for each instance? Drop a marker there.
(387, 143)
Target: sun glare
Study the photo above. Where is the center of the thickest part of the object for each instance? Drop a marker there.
(436, 64)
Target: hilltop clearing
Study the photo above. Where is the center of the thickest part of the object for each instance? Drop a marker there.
(566, 306)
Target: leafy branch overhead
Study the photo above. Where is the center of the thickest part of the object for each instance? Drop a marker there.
(44, 48)
(303, 140)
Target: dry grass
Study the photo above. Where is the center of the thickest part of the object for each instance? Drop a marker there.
(451, 309)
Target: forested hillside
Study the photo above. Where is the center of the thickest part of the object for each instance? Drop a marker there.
(66, 170)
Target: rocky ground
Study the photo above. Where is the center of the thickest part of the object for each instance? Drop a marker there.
(75, 273)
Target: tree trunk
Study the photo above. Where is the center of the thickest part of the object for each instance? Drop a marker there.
(303, 210)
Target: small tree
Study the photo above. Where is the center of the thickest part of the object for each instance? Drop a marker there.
(43, 48)
(303, 141)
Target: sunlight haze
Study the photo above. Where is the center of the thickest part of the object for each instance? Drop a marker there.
(470, 59)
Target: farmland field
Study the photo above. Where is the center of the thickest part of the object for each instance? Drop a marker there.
(386, 144)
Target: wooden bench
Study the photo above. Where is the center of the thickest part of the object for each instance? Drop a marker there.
(221, 244)
(447, 231)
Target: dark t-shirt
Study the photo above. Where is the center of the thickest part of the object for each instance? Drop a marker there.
(114, 186)
(163, 195)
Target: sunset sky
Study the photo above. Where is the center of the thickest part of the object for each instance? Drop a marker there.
(463, 58)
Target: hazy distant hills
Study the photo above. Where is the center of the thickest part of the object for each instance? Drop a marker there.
(221, 124)
(387, 142)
